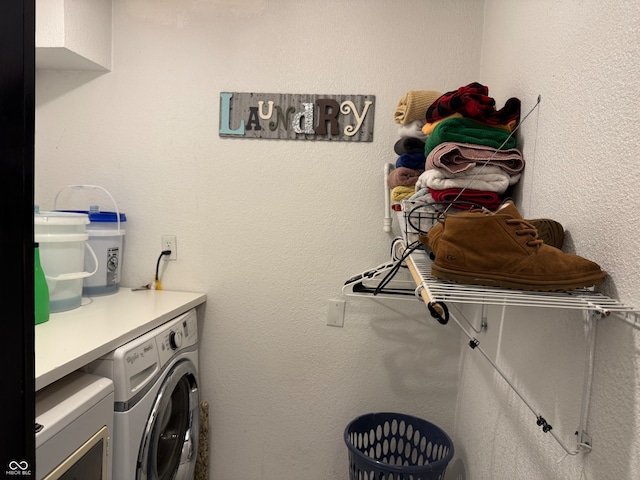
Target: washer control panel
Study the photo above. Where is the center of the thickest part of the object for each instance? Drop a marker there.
(135, 365)
(179, 334)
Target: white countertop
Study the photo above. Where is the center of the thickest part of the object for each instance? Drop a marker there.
(72, 339)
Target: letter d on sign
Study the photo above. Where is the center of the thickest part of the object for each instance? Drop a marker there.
(225, 107)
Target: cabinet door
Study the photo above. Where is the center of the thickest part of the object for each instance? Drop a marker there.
(17, 99)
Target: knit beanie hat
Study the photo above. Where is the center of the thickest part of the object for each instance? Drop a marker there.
(414, 105)
(409, 145)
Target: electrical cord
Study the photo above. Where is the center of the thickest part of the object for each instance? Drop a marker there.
(391, 273)
(156, 279)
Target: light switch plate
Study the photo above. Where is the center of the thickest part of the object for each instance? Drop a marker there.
(335, 313)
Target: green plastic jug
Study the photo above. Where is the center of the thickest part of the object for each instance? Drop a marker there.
(41, 289)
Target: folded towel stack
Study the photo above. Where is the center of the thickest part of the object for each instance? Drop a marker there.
(471, 159)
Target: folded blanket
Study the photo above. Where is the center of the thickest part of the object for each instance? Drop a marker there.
(413, 129)
(458, 157)
(409, 145)
(403, 177)
(423, 198)
(420, 193)
(473, 101)
(427, 129)
(414, 161)
(489, 178)
(414, 104)
(463, 130)
(467, 198)
(400, 193)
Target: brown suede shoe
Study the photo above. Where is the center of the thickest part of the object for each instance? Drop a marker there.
(549, 231)
(502, 249)
(431, 237)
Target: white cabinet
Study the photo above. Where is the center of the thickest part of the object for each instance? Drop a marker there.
(73, 35)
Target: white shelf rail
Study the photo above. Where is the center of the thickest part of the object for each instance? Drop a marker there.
(587, 300)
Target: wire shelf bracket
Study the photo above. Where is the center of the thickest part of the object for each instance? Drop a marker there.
(594, 306)
(442, 299)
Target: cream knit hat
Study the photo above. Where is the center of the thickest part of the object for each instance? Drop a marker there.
(413, 106)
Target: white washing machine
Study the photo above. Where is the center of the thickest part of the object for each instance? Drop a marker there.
(156, 409)
(74, 422)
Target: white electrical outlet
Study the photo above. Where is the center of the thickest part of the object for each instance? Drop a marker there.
(170, 242)
(335, 313)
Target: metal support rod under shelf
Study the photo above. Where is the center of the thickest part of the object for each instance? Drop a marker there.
(540, 420)
(591, 324)
(483, 319)
(630, 317)
(436, 292)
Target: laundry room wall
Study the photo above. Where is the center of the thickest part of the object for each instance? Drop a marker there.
(268, 229)
(581, 149)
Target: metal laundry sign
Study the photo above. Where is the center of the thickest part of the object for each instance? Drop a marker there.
(297, 116)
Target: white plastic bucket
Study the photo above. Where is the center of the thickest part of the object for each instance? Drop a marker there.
(63, 239)
(106, 238)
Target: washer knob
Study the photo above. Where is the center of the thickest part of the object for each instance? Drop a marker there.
(175, 340)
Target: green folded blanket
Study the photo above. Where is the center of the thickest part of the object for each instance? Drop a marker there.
(463, 130)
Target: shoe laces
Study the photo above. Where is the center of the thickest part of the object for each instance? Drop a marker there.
(526, 229)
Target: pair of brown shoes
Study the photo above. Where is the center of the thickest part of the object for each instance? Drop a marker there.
(502, 249)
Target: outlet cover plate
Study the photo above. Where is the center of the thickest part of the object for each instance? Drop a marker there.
(335, 313)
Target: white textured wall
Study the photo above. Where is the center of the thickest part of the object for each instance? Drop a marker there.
(270, 230)
(582, 154)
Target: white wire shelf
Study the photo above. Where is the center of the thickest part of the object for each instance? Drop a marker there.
(437, 293)
(584, 299)
(594, 305)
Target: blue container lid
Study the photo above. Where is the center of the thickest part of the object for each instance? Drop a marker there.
(96, 216)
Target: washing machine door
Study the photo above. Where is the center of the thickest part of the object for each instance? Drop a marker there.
(169, 446)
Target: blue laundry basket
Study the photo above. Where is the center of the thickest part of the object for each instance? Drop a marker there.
(394, 446)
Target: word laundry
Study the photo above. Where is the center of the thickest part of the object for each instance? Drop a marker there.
(292, 116)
